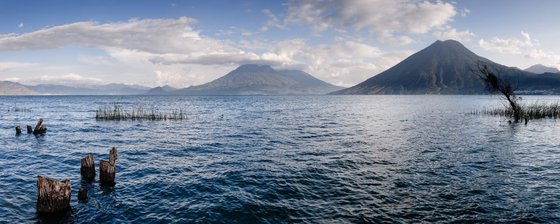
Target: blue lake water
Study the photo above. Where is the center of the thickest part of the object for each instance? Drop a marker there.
(285, 159)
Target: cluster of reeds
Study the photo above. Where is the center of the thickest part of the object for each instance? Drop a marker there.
(119, 113)
(19, 109)
(528, 111)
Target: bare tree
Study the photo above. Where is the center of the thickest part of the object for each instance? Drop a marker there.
(496, 84)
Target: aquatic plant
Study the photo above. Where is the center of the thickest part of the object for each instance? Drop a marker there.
(527, 111)
(119, 113)
(19, 109)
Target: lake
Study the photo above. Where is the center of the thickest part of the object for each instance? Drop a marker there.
(285, 159)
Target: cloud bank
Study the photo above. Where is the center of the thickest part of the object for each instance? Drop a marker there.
(379, 16)
(173, 51)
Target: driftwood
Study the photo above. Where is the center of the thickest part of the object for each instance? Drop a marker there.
(83, 194)
(18, 130)
(40, 128)
(53, 196)
(29, 129)
(88, 168)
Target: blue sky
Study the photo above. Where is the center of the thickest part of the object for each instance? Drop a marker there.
(182, 43)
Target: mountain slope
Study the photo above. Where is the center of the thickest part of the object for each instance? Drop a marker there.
(107, 89)
(252, 79)
(445, 67)
(161, 90)
(14, 88)
(540, 69)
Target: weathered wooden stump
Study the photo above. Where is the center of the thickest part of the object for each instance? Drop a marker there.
(43, 129)
(53, 196)
(106, 173)
(83, 194)
(39, 123)
(40, 128)
(88, 167)
(18, 130)
(29, 129)
(113, 156)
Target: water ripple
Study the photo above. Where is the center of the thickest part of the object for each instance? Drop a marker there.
(313, 159)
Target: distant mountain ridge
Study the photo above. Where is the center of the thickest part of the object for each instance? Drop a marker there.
(540, 69)
(161, 90)
(250, 79)
(14, 88)
(254, 79)
(446, 67)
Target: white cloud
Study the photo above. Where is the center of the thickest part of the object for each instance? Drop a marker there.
(168, 78)
(170, 51)
(388, 38)
(20, 25)
(273, 21)
(380, 16)
(465, 12)
(528, 40)
(345, 62)
(68, 79)
(452, 33)
(544, 57)
(509, 45)
(10, 65)
(240, 57)
(181, 76)
(149, 35)
(95, 60)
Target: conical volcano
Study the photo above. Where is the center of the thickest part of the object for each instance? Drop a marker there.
(444, 67)
(254, 79)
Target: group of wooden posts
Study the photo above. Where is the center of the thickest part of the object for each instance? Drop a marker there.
(54, 196)
(39, 128)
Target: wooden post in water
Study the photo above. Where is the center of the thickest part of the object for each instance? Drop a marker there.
(38, 126)
(107, 169)
(82, 194)
(29, 129)
(106, 173)
(18, 130)
(113, 156)
(53, 196)
(43, 129)
(88, 168)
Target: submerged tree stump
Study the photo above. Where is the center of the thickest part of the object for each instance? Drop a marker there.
(113, 156)
(40, 128)
(83, 194)
(107, 169)
(39, 123)
(29, 129)
(18, 130)
(53, 196)
(106, 173)
(88, 167)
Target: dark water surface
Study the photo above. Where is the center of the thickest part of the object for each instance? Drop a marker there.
(265, 159)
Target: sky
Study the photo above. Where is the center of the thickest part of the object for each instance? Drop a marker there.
(185, 43)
